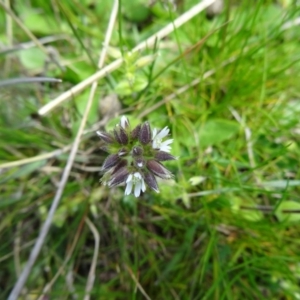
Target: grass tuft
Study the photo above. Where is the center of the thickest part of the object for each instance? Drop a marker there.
(227, 226)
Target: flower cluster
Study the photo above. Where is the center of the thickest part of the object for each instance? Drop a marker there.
(135, 156)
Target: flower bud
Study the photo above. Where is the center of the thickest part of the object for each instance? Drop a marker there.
(139, 162)
(137, 151)
(158, 169)
(110, 161)
(121, 135)
(151, 181)
(163, 156)
(119, 177)
(145, 134)
(121, 164)
(136, 132)
(106, 137)
(122, 152)
(124, 122)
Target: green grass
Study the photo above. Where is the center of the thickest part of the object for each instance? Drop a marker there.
(190, 241)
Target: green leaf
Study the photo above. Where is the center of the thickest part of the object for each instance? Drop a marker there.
(216, 131)
(125, 88)
(136, 11)
(286, 216)
(139, 84)
(81, 102)
(40, 23)
(250, 215)
(79, 71)
(32, 58)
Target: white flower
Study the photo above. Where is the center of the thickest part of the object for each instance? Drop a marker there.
(157, 142)
(137, 181)
(124, 122)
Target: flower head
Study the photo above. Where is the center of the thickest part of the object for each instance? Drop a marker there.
(135, 157)
(157, 142)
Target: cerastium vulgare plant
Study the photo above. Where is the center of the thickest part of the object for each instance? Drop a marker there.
(136, 156)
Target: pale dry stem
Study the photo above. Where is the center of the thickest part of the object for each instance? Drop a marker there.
(91, 276)
(25, 161)
(139, 286)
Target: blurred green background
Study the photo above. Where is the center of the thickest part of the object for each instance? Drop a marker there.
(227, 85)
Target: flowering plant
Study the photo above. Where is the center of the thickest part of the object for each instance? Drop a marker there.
(135, 156)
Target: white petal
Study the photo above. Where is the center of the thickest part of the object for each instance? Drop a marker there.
(137, 175)
(128, 188)
(167, 142)
(163, 133)
(143, 185)
(165, 149)
(155, 144)
(137, 189)
(99, 133)
(124, 122)
(129, 178)
(154, 133)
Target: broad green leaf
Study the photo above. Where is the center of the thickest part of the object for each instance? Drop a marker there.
(125, 88)
(288, 216)
(40, 23)
(139, 84)
(136, 11)
(32, 58)
(215, 131)
(81, 69)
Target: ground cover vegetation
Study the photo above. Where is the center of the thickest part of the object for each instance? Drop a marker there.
(225, 224)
